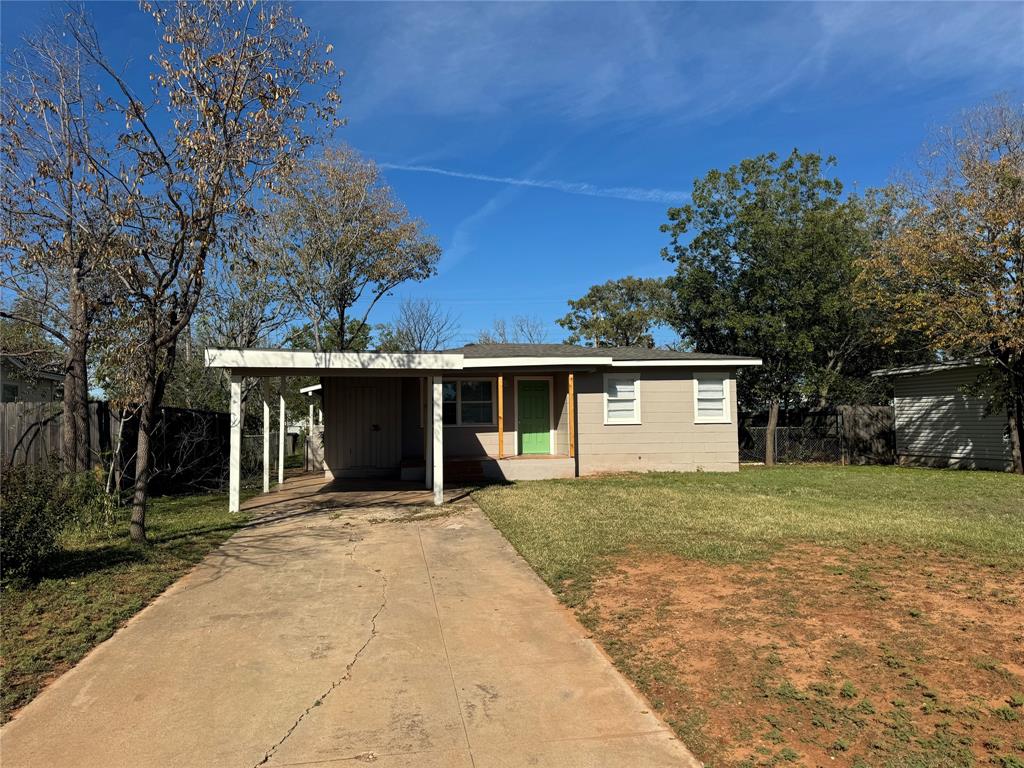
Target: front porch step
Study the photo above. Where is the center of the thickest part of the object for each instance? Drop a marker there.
(465, 471)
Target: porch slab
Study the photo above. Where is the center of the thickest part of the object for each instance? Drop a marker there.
(349, 622)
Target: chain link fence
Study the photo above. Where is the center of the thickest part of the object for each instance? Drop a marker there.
(792, 445)
(861, 434)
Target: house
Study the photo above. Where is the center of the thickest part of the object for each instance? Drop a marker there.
(20, 382)
(509, 411)
(941, 423)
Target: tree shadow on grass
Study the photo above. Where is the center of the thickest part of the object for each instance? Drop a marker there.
(66, 564)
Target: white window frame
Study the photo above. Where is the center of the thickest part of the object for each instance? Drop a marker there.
(458, 401)
(726, 379)
(635, 378)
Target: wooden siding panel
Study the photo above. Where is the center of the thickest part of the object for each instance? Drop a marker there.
(353, 407)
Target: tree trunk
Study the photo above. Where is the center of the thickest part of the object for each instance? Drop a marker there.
(769, 435)
(75, 446)
(147, 414)
(152, 396)
(1015, 419)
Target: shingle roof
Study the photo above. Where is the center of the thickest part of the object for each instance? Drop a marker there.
(572, 350)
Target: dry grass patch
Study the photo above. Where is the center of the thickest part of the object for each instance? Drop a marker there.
(875, 657)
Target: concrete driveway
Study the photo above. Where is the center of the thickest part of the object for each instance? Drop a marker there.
(337, 630)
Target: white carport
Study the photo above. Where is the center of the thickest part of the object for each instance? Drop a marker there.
(271, 364)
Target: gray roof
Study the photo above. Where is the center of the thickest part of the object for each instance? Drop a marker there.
(572, 350)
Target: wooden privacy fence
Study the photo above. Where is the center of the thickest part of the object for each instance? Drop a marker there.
(188, 448)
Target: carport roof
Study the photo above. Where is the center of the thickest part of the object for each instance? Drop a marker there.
(288, 361)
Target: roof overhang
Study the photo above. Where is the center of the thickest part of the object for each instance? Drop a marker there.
(721, 362)
(536, 362)
(911, 370)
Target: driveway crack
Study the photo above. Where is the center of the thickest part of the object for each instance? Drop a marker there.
(347, 676)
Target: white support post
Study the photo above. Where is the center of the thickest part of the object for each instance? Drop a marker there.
(428, 435)
(235, 449)
(281, 429)
(308, 464)
(266, 444)
(438, 441)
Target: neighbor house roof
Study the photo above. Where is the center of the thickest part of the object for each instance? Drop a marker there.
(260, 362)
(30, 371)
(641, 354)
(945, 365)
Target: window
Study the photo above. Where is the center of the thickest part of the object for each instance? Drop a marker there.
(468, 402)
(10, 393)
(711, 399)
(621, 399)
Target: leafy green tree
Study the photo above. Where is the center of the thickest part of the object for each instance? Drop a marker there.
(618, 313)
(764, 259)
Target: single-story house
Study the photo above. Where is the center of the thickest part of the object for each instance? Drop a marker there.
(941, 423)
(507, 411)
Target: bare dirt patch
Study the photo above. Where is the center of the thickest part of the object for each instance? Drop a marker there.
(824, 657)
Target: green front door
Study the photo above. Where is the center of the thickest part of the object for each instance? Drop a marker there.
(534, 416)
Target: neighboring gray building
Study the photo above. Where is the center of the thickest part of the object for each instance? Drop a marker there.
(939, 424)
(20, 383)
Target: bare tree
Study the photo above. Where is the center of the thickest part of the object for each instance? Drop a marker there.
(421, 325)
(55, 229)
(339, 240)
(522, 329)
(239, 92)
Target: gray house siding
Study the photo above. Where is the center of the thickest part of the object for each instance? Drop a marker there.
(373, 425)
(667, 439)
(937, 424)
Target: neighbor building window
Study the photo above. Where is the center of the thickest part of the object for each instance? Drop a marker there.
(711, 398)
(10, 393)
(468, 402)
(621, 399)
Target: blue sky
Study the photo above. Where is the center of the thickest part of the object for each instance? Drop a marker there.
(542, 143)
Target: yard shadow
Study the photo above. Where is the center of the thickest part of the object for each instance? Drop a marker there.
(66, 564)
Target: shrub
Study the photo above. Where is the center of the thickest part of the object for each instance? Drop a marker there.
(37, 503)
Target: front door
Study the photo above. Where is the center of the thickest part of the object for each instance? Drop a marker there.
(534, 425)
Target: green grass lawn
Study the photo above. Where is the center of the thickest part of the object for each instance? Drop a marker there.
(568, 529)
(799, 615)
(95, 584)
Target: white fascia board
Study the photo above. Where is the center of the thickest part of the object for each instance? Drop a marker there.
(286, 359)
(532, 362)
(720, 363)
(929, 367)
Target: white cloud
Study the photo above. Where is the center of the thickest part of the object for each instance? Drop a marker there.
(638, 194)
(629, 61)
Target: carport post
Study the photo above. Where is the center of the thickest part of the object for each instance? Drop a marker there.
(428, 434)
(235, 445)
(437, 449)
(266, 442)
(280, 434)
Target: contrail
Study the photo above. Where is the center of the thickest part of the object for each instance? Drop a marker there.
(637, 194)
